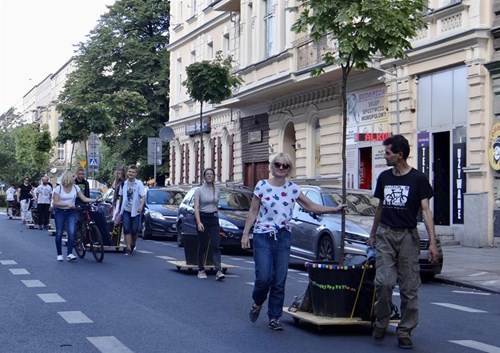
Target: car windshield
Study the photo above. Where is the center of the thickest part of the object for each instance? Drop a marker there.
(358, 204)
(235, 200)
(164, 197)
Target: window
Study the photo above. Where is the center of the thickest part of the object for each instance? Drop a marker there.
(225, 42)
(60, 152)
(269, 21)
(179, 83)
(210, 51)
(193, 7)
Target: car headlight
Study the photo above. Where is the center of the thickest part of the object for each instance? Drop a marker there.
(156, 215)
(226, 224)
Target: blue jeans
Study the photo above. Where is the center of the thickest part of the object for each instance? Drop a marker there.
(65, 218)
(271, 255)
(131, 225)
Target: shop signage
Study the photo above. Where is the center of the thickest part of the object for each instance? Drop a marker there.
(423, 152)
(193, 128)
(373, 137)
(494, 147)
(254, 136)
(458, 182)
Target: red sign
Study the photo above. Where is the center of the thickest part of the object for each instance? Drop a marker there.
(373, 137)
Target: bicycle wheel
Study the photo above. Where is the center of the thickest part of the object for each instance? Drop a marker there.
(78, 243)
(96, 244)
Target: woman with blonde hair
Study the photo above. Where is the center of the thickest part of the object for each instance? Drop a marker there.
(270, 212)
(64, 198)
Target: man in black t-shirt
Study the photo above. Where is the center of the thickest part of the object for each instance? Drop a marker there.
(402, 191)
(83, 184)
(24, 197)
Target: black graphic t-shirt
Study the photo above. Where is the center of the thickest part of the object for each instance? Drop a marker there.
(401, 197)
(85, 189)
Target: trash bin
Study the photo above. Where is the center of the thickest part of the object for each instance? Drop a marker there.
(341, 291)
(191, 250)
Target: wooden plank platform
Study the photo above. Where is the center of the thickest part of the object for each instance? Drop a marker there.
(325, 320)
(182, 264)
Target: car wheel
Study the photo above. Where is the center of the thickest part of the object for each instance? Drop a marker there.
(325, 252)
(144, 233)
(180, 241)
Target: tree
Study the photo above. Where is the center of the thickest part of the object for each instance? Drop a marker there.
(361, 29)
(212, 82)
(120, 87)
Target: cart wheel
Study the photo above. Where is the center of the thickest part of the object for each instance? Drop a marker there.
(296, 320)
(190, 269)
(224, 270)
(178, 268)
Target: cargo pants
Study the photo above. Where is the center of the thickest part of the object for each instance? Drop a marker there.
(397, 263)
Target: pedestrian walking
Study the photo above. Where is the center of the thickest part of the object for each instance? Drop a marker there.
(65, 196)
(24, 198)
(402, 191)
(270, 212)
(206, 201)
(116, 233)
(131, 203)
(10, 195)
(43, 195)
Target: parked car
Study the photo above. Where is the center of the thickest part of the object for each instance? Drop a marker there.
(160, 212)
(317, 238)
(234, 204)
(95, 193)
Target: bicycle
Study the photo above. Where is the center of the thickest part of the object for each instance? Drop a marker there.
(87, 234)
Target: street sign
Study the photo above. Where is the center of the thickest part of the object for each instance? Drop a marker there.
(154, 151)
(93, 162)
(83, 164)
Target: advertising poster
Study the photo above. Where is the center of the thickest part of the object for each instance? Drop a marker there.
(352, 181)
(366, 112)
(378, 162)
(459, 184)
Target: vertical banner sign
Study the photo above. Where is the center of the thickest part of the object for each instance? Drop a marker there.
(352, 181)
(423, 152)
(459, 162)
(379, 163)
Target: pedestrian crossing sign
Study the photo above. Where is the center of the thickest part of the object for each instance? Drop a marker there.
(93, 162)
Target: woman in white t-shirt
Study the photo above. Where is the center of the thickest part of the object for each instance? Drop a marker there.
(65, 196)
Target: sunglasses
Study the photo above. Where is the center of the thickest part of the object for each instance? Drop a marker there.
(281, 165)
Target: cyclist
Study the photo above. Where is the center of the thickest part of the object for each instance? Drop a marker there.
(65, 196)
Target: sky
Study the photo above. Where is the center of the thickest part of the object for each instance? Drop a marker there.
(37, 38)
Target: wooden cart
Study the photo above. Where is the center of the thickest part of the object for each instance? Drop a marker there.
(191, 268)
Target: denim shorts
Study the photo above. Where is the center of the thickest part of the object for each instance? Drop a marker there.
(131, 225)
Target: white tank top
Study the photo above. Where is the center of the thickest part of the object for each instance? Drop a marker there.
(66, 197)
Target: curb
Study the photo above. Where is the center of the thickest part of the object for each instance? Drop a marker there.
(464, 284)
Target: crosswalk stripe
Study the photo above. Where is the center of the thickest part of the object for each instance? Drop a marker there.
(483, 347)
(165, 257)
(109, 344)
(8, 262)
(470, 292)
(19, 271)
(51, 298)
(32, 283)
(459, 307)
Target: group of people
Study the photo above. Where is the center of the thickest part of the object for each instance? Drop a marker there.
(394, 236)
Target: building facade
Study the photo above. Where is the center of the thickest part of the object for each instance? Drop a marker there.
(440, 97)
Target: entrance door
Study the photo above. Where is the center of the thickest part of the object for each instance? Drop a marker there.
(441, 177)
(365, 168)
(254, 172)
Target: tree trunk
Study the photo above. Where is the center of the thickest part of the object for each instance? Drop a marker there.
(345, 74)
(201, 143)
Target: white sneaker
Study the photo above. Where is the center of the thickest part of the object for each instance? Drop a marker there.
(59, 258)
(220, 275)
(70, 257)
(202, 274)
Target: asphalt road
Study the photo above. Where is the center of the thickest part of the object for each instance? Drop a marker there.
(143, 304)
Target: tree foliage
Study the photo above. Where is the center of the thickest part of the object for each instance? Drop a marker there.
(120, 87)
(361, 30)
(211, 81)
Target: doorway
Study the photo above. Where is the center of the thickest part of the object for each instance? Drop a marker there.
(441, 177)
(365, 168)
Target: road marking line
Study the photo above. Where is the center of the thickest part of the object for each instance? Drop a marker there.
(144, 251)
(165, 257)
(109, 344)
(235, 258)
(172, 245)
(303, 274)
(51, 298)
(250, 283)
(19, 271)
(483, 347)
(478, 274)
(250, 262)
(491, 282)
(32, 283)
(75, 317)
(293, 270)
(469, 292)
(8, 262)
(459, 307)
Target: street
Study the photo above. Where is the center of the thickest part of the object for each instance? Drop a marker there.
(143, 304)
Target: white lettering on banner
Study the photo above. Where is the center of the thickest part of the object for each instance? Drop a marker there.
(459, 184)
(423, 159)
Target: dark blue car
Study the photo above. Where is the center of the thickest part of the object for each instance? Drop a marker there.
(234, 204)
(160, 212)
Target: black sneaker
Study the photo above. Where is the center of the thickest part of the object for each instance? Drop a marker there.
(405, 343)
(254, 312)
(378, 334)
(275, 325)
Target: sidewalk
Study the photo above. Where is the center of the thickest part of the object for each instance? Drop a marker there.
(471, 267)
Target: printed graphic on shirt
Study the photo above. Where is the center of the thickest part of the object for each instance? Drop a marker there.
(396, 195)
(130, 196)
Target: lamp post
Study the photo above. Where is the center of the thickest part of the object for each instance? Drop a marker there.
(393, 74)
